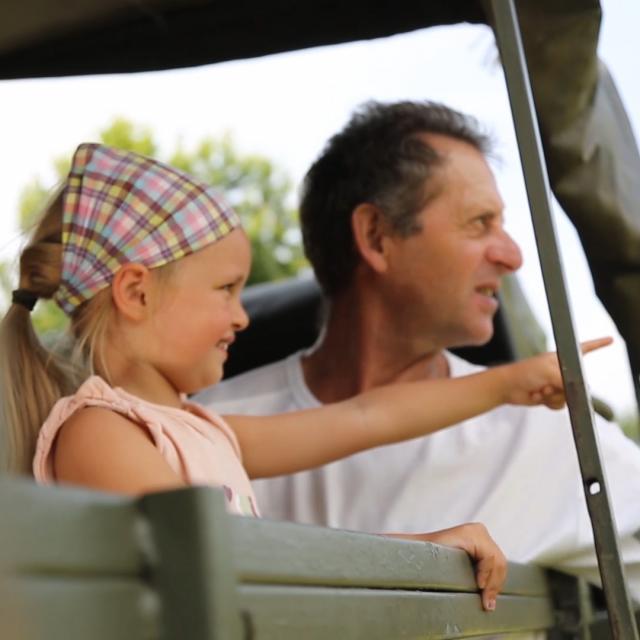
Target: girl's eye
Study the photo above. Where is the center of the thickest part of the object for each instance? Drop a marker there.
(230, 287)
(234, 287)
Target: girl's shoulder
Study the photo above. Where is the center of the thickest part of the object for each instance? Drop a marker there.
(94, 402)
(93, 392)
(94, 388)
(101, 448)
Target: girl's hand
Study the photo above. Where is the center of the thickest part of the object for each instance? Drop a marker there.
(537, 380)
(490, 563)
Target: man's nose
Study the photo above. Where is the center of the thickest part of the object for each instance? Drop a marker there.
(505, 252)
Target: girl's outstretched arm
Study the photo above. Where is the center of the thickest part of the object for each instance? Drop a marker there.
(286, 443)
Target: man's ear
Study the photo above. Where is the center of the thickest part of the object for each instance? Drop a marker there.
(371, 235)
(130, 290)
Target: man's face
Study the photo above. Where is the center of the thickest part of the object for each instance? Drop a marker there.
(444, 279)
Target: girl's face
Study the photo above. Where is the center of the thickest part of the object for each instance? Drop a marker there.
(198, 312)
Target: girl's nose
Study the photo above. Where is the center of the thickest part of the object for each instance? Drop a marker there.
(240, 317)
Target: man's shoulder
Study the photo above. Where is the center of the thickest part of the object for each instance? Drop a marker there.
(267, 389)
